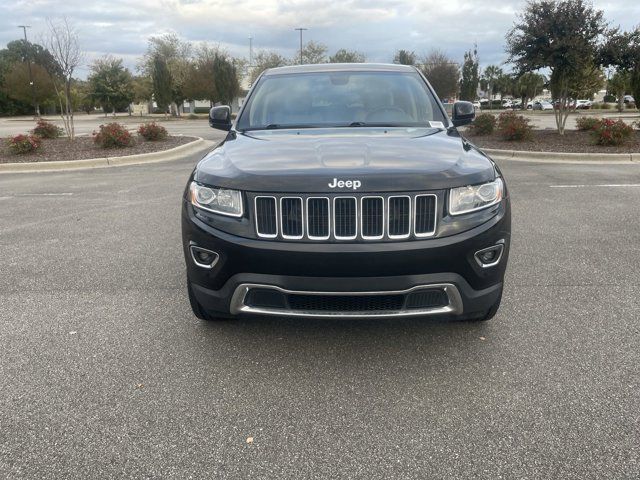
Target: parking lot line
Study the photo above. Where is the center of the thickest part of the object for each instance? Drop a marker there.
(609, 185)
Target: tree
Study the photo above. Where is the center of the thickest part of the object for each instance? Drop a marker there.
(505, 84)
(488, 80)
(264, 60)
(404, 57)
(111, 84)
(622, 51)
(225, 78)
(199, 84)
(347, 56)
(442, 72)
(176, 55)
(470, 77)
(162, 82)
(16, 84)
(584, 85)
(142, 88)
(618, 85)
(20, 51)
(563, 36)
(83, 98)
(62, 42)
(313, 52)
(528, 85)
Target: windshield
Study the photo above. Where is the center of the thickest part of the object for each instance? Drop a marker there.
(339, 99)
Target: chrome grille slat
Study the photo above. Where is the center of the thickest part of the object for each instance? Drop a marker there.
(318, 218)
(372, 218)
(399, 217)
(291, 223)
(266, 215)
(364, 217)
(345, 218)
(424, 218)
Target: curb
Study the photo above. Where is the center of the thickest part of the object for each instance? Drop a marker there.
(105, 162)
(557, 157)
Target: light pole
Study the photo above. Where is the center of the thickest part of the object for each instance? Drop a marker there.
(33, 87)
(301, 30)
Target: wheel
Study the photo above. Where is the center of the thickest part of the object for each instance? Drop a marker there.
(489, 314)
(200, 312)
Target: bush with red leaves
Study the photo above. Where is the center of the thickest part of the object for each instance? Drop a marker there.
(483, 124)
(611, 132)
(21, 144)
(46, 129)
(152, 131)
(587, 123)
(513, 127)
(113, 135)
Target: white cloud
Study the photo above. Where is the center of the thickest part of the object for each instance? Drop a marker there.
(376, 27)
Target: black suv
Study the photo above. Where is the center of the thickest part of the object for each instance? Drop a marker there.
(344, 190)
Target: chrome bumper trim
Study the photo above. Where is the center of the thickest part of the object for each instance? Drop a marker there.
(454, 307)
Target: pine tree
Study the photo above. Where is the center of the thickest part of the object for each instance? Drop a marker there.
(162, 92)
(470, 77)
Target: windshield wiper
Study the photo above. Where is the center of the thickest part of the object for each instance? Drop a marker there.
(276, 126)
(379, 124)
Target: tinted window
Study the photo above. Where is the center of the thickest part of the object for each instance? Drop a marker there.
(340, 99)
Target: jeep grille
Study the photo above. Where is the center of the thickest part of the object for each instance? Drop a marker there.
(338, 217)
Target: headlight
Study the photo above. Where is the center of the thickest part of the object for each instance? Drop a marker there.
(475, 197)
(217, 200)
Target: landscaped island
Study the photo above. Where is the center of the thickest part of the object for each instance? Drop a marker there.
(45, 143)
(592, 135)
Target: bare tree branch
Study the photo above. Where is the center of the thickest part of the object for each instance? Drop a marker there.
(62, 41)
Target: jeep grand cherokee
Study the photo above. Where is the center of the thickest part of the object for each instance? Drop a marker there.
(345, 191)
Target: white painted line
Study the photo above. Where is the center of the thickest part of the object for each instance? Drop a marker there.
(64, 194)
(609, 185)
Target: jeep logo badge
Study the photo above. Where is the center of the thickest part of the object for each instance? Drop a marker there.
(355, 184)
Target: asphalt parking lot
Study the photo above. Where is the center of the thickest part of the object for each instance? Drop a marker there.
(105, 373)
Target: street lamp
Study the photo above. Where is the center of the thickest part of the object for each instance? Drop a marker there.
(33, 87)
(301, 30)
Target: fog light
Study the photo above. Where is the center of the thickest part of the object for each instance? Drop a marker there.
(489, 257)
(203, 258)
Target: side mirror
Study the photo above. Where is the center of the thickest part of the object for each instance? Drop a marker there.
(220, 118)
(463, 113)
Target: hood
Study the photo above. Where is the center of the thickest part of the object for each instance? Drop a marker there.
(310, 160)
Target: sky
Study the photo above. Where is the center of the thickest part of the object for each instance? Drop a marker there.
(377, 28)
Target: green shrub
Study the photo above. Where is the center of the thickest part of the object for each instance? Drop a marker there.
(611, 132)
(587, 123)
(484, 124)
(201, 110)
(46, 129)
(609, 99)
(152, 131)
(514, 127)
(21, 144)
(193, 116)
(112, 135)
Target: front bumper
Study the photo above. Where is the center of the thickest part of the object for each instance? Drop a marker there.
(353, 268)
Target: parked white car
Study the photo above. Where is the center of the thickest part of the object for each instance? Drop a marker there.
(477, 105)
(541, 105)
(583, 104)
